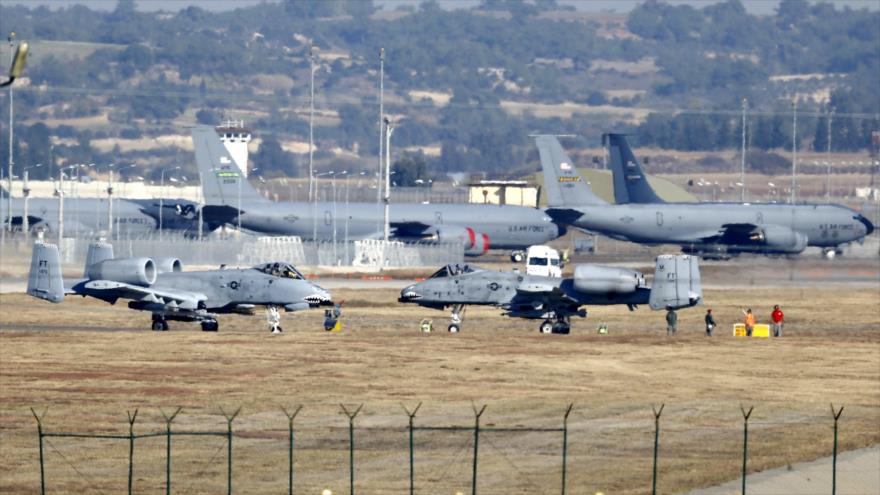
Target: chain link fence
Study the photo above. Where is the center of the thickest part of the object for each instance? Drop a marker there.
(272, 453)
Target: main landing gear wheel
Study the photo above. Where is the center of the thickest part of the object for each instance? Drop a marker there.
(159, 324)
(517, 256)
(454, 327)
(546, 327)
(210, 326)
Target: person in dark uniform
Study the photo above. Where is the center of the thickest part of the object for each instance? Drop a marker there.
(671, 321)
(710, 323)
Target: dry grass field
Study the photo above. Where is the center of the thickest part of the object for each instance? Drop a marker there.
(88, 363)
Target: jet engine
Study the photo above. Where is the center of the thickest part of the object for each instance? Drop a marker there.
(781, 239)
(596, 279)
(168, 265)
(475, 243)
(136, 271)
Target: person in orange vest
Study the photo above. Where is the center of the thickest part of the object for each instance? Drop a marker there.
(778, 318)
(749, 321)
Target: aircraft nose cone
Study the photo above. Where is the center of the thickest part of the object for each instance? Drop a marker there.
(408, 294)
(869, 227)
(319, 297)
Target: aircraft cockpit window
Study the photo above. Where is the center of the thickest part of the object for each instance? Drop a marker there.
(452, 270)
(281, 270)
(443, 272)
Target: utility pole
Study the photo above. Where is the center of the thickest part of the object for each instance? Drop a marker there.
(828, 152)
(110, 206)
(311, 119)
(794, 152)
(388, 130)
(381, 124)
(25, 192)
(8, 226)
(742, 173)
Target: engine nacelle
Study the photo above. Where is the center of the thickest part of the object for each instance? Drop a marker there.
(136, 271)
(168, 265)
(596, 279)
(475, 243)
(781, 239)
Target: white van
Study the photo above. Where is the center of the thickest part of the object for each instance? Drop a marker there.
(543, 261)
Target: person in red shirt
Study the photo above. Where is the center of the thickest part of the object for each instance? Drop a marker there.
(778, 319)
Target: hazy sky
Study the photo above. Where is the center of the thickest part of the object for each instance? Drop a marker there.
(754, 6)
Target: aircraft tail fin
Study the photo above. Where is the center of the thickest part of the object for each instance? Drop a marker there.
(98, 252)
(676, 282)
(44, 278)
(562, 182)
(630, 182)
(219, 174)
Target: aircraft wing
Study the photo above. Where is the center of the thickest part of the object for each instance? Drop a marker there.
(546, 294)
(411, 229)
(730, 233)
(177, 298)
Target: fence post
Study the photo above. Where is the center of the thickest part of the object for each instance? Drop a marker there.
(657, 413)
(229, 420)
(168, 420)
(477, 415)
(836, 415)
(39, 418)
(131, 420)
(290, 445)
(351, 416)
(745, 443)
(565, 445)
(412, 415)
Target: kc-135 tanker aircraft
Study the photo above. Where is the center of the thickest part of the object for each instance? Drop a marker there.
(711, 230)
(230, 198)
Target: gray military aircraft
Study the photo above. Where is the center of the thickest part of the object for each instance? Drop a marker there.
(160, 287)
(676, 286)
(711, 230)
(89, 216)
(478, 227)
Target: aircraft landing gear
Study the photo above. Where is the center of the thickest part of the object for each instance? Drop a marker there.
(273, 319)
(562, 325)
(455, 324)
(517, 256)
(159, 323)
(546, 327)
(831, 253)
(210, 325)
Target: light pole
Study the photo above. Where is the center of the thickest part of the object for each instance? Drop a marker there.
(381, 123)
(794, 152)
(60, 194)
(742, 172)
(828, 152)
(311, 117)
(162, 197)
(26, 192)
(11, 161)
(389, 129)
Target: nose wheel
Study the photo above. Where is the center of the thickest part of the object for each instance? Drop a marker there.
(273, 319)
(455, 318)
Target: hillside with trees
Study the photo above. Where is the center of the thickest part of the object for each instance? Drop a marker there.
(466, 87)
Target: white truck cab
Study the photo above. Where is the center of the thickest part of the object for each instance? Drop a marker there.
(543, 261)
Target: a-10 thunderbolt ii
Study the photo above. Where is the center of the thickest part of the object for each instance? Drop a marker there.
(162, 288)
(553, 299)
(710, 230)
